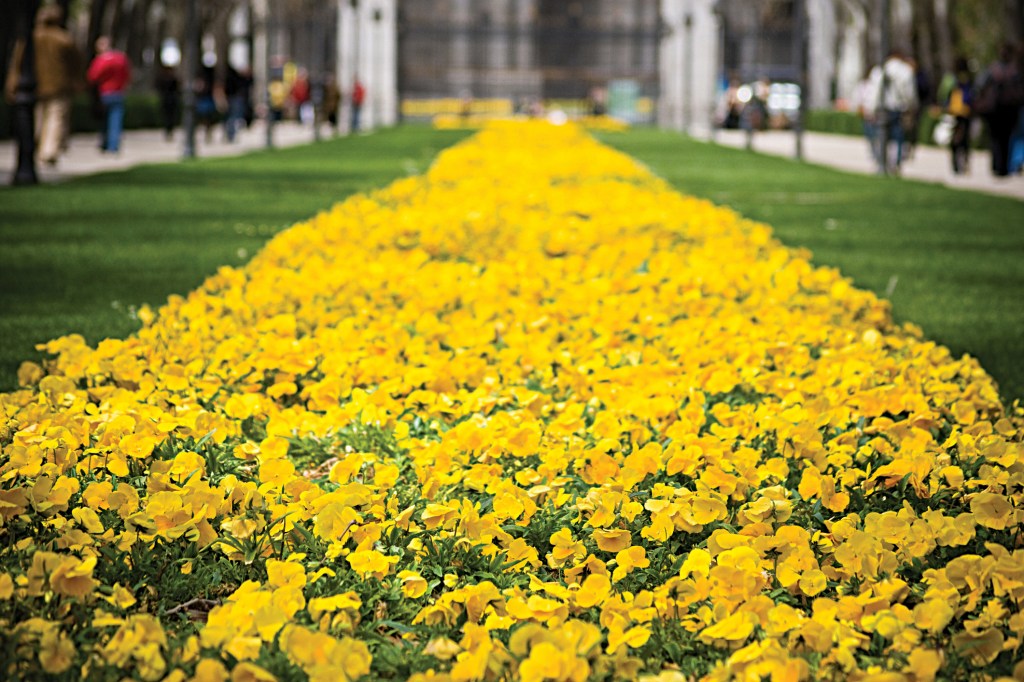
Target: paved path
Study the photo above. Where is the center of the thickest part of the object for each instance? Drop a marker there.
(848, 153)
(149, 146)
(844, 152)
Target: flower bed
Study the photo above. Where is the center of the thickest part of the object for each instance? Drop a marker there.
(534, 415)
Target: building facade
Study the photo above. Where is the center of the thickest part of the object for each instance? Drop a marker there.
(550, 49)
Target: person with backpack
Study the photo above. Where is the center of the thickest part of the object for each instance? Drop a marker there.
(896, 86)
(958, 97)
(998, 102)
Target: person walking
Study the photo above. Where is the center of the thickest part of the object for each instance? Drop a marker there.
(331, 101)
(999, 100)
(110, 72)
(169, 89)
(865, 103)
(958, 101)
(358, 97)
(897, 100)
(58, 75)
(237, 89)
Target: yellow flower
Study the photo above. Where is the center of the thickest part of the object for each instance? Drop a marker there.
(370, 562)
(627, 560)
(813, 582)
(73, 577)
(593, 591)
(735, 628)
(981, 648)
(56, 651)
(210, 670)
(992, 510)
(250, 672)
(413, 584)
(633, 638)
(6, 586)
(564, 548)
(613, 540)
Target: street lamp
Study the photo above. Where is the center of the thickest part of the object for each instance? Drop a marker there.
(22, 114)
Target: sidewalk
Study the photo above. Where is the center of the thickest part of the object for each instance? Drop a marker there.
(849, 153)
(149, 146)
(844, 152)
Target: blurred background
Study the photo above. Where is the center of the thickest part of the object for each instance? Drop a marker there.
(672, 63)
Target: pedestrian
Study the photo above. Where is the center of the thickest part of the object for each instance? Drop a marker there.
(238, 91)
(206, 101)
(358, 97)
(957, 102)
(1000, 95)
(302, 97)
(168, 88)
(865, 103)
(110, 72)
(912, 119)
(897, 87)
(331, 101)
(59, 74)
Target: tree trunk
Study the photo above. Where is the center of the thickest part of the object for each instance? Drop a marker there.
(925, 41)
(119, 25)
(1015, 20)
(903, 24)
(943, 34)
(97, 15)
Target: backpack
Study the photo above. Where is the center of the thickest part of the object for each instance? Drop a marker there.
(1002, 88)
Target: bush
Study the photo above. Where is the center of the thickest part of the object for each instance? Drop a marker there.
(849, 123)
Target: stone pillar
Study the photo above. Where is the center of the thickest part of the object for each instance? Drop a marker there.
(705, 65)
(689, 65)
(386, 27)
(524, 34)
(852, 63)
(366, 63)
(347, 57)
(460, 72)
(498, 44)
(670, 100)
(821, 52)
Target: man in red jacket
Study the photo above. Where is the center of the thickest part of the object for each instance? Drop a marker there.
(110, 73)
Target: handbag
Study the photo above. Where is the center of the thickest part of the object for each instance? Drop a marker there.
(942, 134)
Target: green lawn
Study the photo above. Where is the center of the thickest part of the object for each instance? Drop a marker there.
(80, 256)
(953, 260)
(83, 255)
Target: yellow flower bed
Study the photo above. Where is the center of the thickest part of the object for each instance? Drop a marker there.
(532, 415)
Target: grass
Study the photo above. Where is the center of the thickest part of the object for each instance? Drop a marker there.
(81, 256)
(950, 261)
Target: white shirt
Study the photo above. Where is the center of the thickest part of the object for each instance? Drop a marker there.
(900, 93)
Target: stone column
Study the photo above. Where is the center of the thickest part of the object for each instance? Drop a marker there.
(670, 100)
(347, 57)
(366, 64)
(386, 28)
(524, 34)
(821, 52)
(705, 66)
(689, 65)
(460, 73)
(852, 63)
